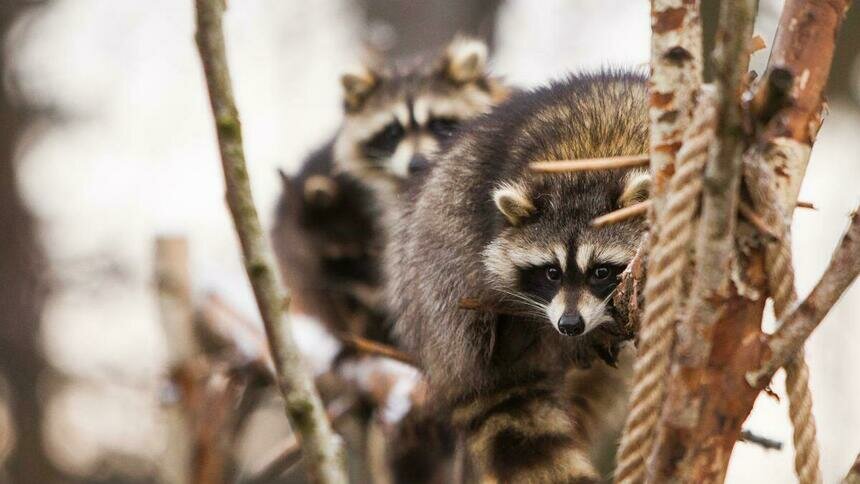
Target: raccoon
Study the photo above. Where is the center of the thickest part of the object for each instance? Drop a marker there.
(482, 226)
(325, 239)
(396, 116)
(328, 233)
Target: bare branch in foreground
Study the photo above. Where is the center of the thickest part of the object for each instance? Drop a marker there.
(843, 269)
(173, 280)
(635, 210)
(764, 442)
(641, 208)
(323, 449)
(590, 164)
(369, 347)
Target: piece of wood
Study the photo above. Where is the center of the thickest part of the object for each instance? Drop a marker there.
(589, 164)
(323, 449)
(789, 338)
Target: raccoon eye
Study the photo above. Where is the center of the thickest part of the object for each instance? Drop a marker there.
(386, 141)
(601, 274)
(553, 273)
(442, 127)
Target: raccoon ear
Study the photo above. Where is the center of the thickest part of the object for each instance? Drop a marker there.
(320, 191)
(637, 188)
(285, 179)
(357, 86)
(514, 203)
(465, 60)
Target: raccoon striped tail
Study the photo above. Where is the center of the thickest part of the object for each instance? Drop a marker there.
(525, 434)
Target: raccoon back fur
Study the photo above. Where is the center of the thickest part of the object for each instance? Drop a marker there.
(483, 226)
(326, 240)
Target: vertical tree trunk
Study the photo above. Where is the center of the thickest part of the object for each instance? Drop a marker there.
(22, 295)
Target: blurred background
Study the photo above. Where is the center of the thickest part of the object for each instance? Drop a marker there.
(106, 144)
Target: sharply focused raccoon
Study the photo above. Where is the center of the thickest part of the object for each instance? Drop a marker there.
(397, 115)
(483, 226)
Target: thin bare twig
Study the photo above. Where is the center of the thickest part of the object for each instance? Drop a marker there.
(635, 210)
(370, 347)
(843, 269)
(639, 209)
(590, 164)
(174, 297)
(770, 444)
(323, 448)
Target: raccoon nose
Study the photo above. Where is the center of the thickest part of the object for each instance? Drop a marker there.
(418, 164)
(571, 324)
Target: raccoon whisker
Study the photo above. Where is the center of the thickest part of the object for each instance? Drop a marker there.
(529, 301)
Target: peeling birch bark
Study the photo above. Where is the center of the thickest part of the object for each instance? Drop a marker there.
(676, 74)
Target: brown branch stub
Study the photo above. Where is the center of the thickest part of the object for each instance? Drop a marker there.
(590, 164)
(370, 347)
(635, 210)
(763, 442)
(843, 269)
(322, 447)
(173, 281)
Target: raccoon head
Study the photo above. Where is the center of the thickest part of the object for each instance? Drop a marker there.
(549, 258)
(396, 117)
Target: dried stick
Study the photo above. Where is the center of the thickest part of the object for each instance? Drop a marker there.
(764, 442)
(641, 208)
(173, 280)
(369, 347)
(843, 269)
(635, 210)
(323, 449)
(590, 164)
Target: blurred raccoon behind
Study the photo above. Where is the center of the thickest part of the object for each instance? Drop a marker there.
(327, 233)
(483, 226)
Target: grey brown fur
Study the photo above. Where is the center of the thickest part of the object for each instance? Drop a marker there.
(503, 375)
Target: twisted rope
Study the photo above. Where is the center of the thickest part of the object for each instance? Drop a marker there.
(663, 290)
(780, 278)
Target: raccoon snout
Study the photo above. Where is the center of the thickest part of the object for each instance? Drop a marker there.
(571, 324)
(418, 163)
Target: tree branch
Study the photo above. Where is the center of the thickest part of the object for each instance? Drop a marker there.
(843, 269)
(322, 447)
(697, 445)
(590, 164)
(676, 74)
